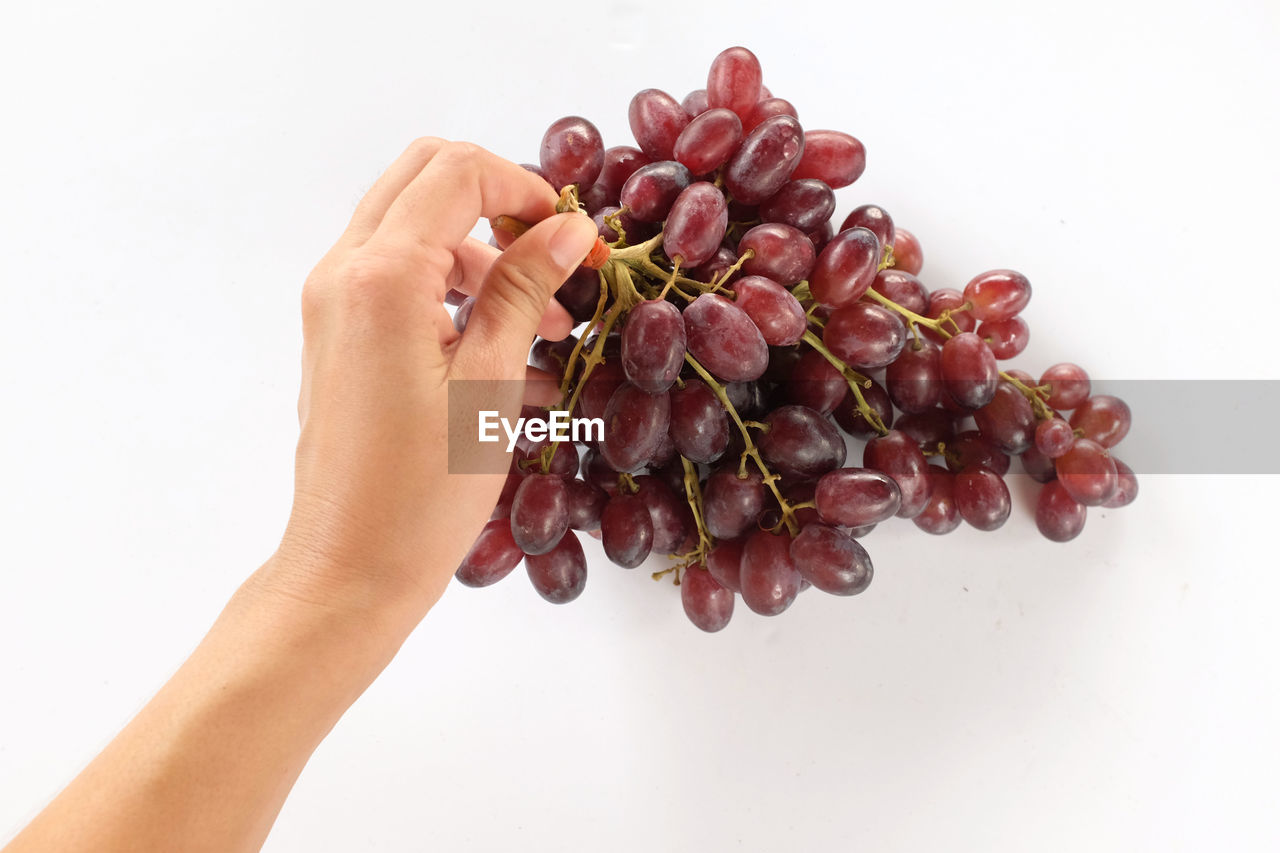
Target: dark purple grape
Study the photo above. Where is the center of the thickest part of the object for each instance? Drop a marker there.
(907, 254)
(707, 604)
(724, 340)
(709, 140)
(1088, 472)
(599, 473)
(800, 443)
(730, 505)
(835, 158)
(846, 268)
(902, 288)
(599, 388)
(551, 356)
(970, 448)
(1054, 437)
(856, 497)
(1127, 487)
(914, 378)
(816, 383)
(716, 268)
(1059, 516)
(982, 498)
(651, 190)
(1006, 338)
(656, 121)
(874, 218)
(767, 108)
(696, 224)
(1069, 385)
(969, 371)
(864, 335)
(997, 295)
(804, 204)
(831, 560)
(586, 503)
(572, 153)
(539, 513)
(635, 424)
(898, 456)
(559, 575)
(940, 515)
(564, 462)
(821, 236)
(1103, 418)
(1038, 466)
(928, 429)
(653, 346)
(1008, 419)
(580, 294)
(699, 424)
(768, 156)
(463, 314)
(626, 530)
(770, 581)
(695, 103)
(775, 312)
(492, 557)
(850, 418)
(724, 561)
(669, 513)
(779, 252)
(734, 81)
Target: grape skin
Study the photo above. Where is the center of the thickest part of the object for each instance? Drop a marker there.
(656, 120)
(559, 575)
(982, 498)
(768, 156)
(898, 456)
(831, 560)
(493, 556)
(780, 253)
(539, 513)
(770, 582)
(865, 335)
(1059, 516)
(706, 602)
(774, 311)
(696, 225)
(626, 530)
(572, 153)
(707, 142)
(634, 425)
(699, 425)
(837, 159)
(857, 497)
(846, 268)
(724, 340)
(800, 443)
(1103, 418)
(907, 254)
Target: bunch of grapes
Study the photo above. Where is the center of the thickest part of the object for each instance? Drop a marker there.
(731, 336)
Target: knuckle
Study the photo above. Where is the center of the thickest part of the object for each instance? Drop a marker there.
(425, 147)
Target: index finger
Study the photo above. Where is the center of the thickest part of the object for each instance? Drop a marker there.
(461, 184)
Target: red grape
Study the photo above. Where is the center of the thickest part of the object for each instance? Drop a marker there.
(781, 252)
(734, 81)
(982, 498)
(492, 557)
(626, 531)
(804, 204)
(969, 371)
(914, 378)
(835, 158)
(699, 424)
(707, 604)
(708, 141)
(940, 515)
(572, 153)
(857, 497)
(1059, 516)
(696, 225)
(800, 443)
(766, 160)
(998, 294)
(1054, 437)
(724, 340)
(907, 254)
(864, 335)
(875, 219)
(539, 513)
(1069, 386)
(1006, 338)
(1008, 419)
(1087, 472)
(776, 313)
(846, 268)
(651, 190)
(770, 581)
(831, 560)
(635, 424)
(656, 121)
(1103, 418)
(724, 561)
(767, 108)
(898, 456)
(559, 575)
(732, 504)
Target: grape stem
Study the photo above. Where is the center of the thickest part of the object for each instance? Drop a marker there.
(751, 452)
(693, 493)
(855, 379)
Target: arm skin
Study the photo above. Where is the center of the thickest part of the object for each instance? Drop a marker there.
(208, 763)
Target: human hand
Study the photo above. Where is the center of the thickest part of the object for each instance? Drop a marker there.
(377, 517)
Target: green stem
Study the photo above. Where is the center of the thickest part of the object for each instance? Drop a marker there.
(856, 381)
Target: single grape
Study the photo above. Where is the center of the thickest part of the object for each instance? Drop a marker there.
(1008, 419)
(898, 456)
(723, 339)
(1054, 437)
(651, 190)
(969, 371)
(586, 504)
(1069, 385)
(672, 519)
(998, 295)
(1103, 418)
(835, 158)
(864, 335)
(800, 443)
(572, 153)
(695, 103)
(770, 581)
(1088, 472)
(626, 531)
(1006, 338)
(821, 236)
(948, 299)
(666, 451)
(552, 356)
(846, 268)
(492, 557)
(708, 605)
(914, 378)
(775, 312)
(902, 288)
(635, 424)
(731, 504)
(940, 515)
(907, 254)
(707, 142)
(970, 448)
(539, 513)
(580, 294)
(696, 224)
(804, 204)
(724, 561)
(816, 383)
(717, 267)
(1126, 489)
(875, 219)
(599, 388)
(559, 575)
(982, 498)
(850, 417)
(767, 108)
(768, 156)
(780, 252)
(1038, 466)
(699, 424)
(856, 497)
(599, 473)
(463, 314)
(928, 429)
(734, 81)
(656, 120)
(1059, 516)
(831, 560)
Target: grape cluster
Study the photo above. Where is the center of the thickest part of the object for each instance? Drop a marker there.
(733, 339)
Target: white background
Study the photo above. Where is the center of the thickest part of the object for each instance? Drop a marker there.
(170, 171)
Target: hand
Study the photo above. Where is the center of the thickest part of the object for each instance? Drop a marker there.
(376, 515)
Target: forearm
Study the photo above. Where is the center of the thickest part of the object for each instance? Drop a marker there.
(207, 764)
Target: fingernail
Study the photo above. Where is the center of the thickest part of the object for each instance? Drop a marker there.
(571, 242)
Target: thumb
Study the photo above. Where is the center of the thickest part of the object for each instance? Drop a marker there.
(517, 289)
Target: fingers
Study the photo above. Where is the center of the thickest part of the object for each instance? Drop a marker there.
(516, 292)
(472, 261)
(369, 212)
(540, 388)
(460, 184)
